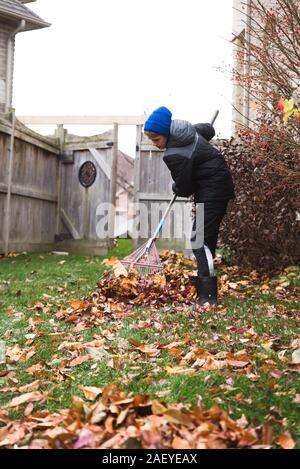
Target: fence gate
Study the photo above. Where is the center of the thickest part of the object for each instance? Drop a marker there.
(85, 180)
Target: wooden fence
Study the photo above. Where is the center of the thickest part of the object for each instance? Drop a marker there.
(28, 190)
(43, 206)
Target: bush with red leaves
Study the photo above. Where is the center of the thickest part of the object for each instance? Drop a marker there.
(262, 224)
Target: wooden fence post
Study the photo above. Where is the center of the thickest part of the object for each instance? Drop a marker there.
(137, 174)
(60, 135)
(9, 184)
(113, 186)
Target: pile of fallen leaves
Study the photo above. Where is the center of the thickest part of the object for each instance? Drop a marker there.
(115, 421)
(120, 291)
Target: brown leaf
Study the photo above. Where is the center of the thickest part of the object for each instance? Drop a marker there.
(109, 422)
(175, 351)
(79, 360)
(150, 350)
(57, 432)
(116, 265)
(11, 434)
(158, 408)
(28, 410)
(30, 387)
(110, 262)
(77, 303)
(296, 400)
(15, 353)
(176, 416)
(286, 441)
(176, 344)
(177, 370)
(180, 443)
(120, 270)
(39, 443)
(237, 363)
(122, 416)
(86, 439)
(34, 369)
(90, 392)
(134, 342)
(27, 397)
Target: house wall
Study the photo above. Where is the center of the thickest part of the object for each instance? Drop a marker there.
(5, 31)
(239, 96)
(242, 113)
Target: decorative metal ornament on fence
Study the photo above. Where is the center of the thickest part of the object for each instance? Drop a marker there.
(87, 174)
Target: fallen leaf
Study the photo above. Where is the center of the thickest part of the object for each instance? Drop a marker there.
(296, 357)
(90, 392)
(177, 370)
(35, 369)
(79, 360)
(237, 364)
(86, 438)
(30, 387)
(117, 266)
(11, 434)
(176, 416)
(77, 304)
(150, 350)
(97, 354)
(28, 410)
(286, 441)
(296, 399)
(180, 443)
(27, 397)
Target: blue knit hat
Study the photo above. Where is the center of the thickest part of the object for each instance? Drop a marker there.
(159, 121)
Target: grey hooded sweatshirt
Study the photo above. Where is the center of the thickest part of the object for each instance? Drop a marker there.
(196, 166)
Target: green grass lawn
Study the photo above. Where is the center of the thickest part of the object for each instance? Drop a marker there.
(34, 286)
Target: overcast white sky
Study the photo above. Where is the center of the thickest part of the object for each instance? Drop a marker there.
(125, 57)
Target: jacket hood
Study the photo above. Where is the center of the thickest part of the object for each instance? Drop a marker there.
(181, 133)
(206, 130)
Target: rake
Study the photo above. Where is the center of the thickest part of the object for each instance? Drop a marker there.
(146, 258)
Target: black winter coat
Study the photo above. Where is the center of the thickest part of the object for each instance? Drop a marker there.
(196, 166)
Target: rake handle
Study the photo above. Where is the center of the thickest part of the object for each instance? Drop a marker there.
(156, 233)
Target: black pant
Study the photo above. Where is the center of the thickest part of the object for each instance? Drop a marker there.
(214, 211)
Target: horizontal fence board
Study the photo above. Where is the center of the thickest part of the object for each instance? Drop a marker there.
(27, 246)
(83, 120)
(27, 135)
(27, 192)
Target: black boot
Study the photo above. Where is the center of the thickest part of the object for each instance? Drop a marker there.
(207, 289)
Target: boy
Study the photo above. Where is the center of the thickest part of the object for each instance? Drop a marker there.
(198, 169)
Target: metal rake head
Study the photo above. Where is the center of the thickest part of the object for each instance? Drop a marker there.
(145, 260)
